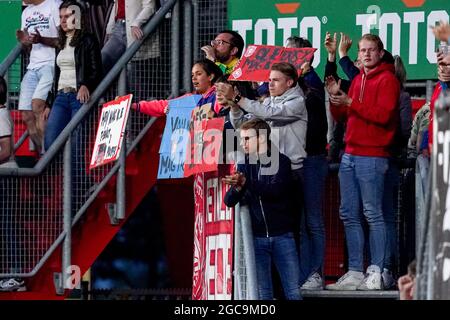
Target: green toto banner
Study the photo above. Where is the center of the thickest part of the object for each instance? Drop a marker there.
(403, 25)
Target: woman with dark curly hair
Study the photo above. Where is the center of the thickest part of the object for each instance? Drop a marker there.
(77, 70)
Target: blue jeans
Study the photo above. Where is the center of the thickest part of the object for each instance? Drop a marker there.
(281, 250)
(390, 198)
(63, 110)
(312, 227)
(362, 180)
(114, 47)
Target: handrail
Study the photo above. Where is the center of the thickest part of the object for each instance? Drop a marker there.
(45, 160)
(65, 135)
(21, 140)
(86, 205)
(10, 58)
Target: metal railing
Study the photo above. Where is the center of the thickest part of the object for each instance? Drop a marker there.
(36, 216)
(245, 285)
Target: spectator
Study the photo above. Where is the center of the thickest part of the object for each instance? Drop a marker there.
(8, 241)
(285, 109)
(225, 50)
(419, 126)
(407, 283)
(38, 33)
(391, 183)
(372, 111)
(268, 197)
(309, 74)
(315, 171)
(124, 27)
(442, 33)
(78, 71)
(337, 129)
(204, 75)
(6, 131)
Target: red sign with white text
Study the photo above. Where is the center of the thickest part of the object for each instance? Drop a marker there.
(213, 238)
(257, 60)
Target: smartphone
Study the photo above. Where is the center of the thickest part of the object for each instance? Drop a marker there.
(444, 48)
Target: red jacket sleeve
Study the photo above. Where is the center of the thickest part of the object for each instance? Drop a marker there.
(154, 108)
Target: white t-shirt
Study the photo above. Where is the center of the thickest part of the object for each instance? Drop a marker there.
(66, 63)
(45, 18)
(6, 130)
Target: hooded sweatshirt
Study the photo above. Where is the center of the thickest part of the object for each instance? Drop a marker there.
(287, 114)
(372, 117)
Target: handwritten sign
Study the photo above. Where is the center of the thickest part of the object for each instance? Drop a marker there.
(111, 127)
(202, 112)
(205, 146)
(175, 138)
(258, 59)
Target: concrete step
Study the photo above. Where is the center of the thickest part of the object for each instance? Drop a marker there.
(375, 294)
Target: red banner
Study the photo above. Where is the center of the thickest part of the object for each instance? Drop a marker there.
(204, 152)
(213, 238)
(258, 59)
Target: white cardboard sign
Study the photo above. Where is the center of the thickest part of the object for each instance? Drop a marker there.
(110, 131)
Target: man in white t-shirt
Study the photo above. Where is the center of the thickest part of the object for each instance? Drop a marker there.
(39, 33)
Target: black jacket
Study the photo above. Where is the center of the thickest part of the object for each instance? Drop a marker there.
(316, 132)
(88, 64)
(268, 197)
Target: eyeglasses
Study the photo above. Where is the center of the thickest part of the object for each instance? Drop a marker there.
(219, 42)
(246, 139)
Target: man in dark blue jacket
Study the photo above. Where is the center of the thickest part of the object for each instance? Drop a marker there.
(264, 179)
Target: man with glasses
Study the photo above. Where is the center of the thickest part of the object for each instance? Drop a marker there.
(267, 194)
(225, 50)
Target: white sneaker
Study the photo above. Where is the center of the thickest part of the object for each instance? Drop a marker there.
(314, 282)
(349, 281)
(12, 284)
(372, 281)
(388, 279)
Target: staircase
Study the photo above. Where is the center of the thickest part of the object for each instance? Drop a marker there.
(95, 231)
(45, 241)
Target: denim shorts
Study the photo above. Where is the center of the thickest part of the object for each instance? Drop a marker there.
(36, 84)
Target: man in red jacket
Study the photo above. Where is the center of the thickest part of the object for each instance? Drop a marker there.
(371, 109)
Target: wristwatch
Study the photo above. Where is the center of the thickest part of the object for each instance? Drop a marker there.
(237, 99)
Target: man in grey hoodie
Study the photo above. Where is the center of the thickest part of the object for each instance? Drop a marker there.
(284, 110)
